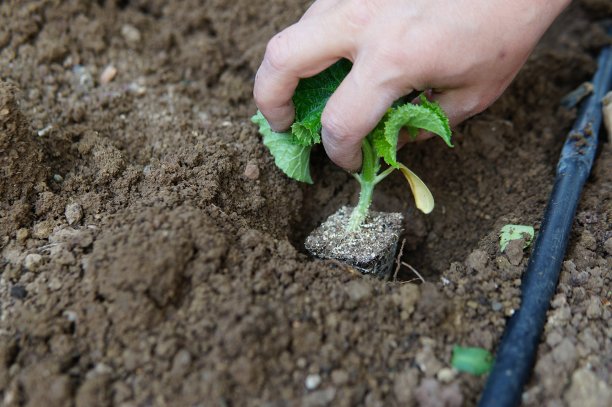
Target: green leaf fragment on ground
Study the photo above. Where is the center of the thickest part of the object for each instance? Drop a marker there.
(515, 232)
(290, 156)
(476, 361)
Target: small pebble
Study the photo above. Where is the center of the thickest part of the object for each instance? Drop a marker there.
(339, 377)
(42, 230)
(251, 171)
(477, 260)
(55, 284)
(21, 235)
(446, 375)
(608, 246)
(137, 89)
(181, 362)
(43, 132)
(84, 80)
(57, 178)
(32, 261)
(131, 34)
(18, 291)
(301, 363)
(74, 213)
(594, 309)
(108, 74)
(358, 290)
(496, 306)
(514, 251)
(312, 381)
(70, 315)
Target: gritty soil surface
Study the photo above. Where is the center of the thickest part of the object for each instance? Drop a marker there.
(152, 254)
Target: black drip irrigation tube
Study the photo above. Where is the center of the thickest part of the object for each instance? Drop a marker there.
(516, 354)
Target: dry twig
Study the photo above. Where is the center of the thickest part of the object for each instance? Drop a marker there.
(414, 271)
(398, 261)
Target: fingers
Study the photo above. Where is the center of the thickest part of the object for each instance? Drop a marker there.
(458, 104)
(300, 51)
(461, 104)
(319, 7)
(352, 112)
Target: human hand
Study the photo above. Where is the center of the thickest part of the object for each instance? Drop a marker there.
(466, 51)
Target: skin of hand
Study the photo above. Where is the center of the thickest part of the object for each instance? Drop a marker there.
(466, 51)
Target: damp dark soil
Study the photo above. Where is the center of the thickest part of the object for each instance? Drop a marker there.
(152, 254)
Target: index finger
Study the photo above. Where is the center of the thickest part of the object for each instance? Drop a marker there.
(300, 51)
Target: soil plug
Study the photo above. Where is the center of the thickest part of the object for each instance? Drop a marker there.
(372, 251)
(291, 151)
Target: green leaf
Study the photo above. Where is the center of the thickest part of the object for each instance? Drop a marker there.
(290, 156)
(515, 232)
(380, 143)
(435, 107)
(310, 98)
(476, 361)
(427, 116)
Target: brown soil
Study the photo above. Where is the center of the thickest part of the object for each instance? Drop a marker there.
(151, 253)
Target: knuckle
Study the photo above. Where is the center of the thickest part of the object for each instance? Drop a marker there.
(277, 52)
(362, 12)
(477, 104)
(336, 127)
(394, 58)
(471, 106)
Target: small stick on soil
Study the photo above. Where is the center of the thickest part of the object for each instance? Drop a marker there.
(414, 271)
(411, 281)
(398, 261)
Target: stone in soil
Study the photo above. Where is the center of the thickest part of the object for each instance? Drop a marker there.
(371, 250)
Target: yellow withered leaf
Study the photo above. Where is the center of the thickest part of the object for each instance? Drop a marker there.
(422, 196)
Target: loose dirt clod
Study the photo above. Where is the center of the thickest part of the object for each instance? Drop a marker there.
(74, 213)
(251, 171)
(371, 250)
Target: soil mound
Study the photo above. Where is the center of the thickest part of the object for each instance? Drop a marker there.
(22, 166)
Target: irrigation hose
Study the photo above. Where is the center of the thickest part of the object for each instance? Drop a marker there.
(516, 354)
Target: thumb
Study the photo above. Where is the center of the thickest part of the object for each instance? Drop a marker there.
(351, 113)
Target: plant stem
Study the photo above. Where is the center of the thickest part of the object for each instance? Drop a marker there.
(361, 210)
(383, 175)
(367, 180)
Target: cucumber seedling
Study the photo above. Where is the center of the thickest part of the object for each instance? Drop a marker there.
(291, 149)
